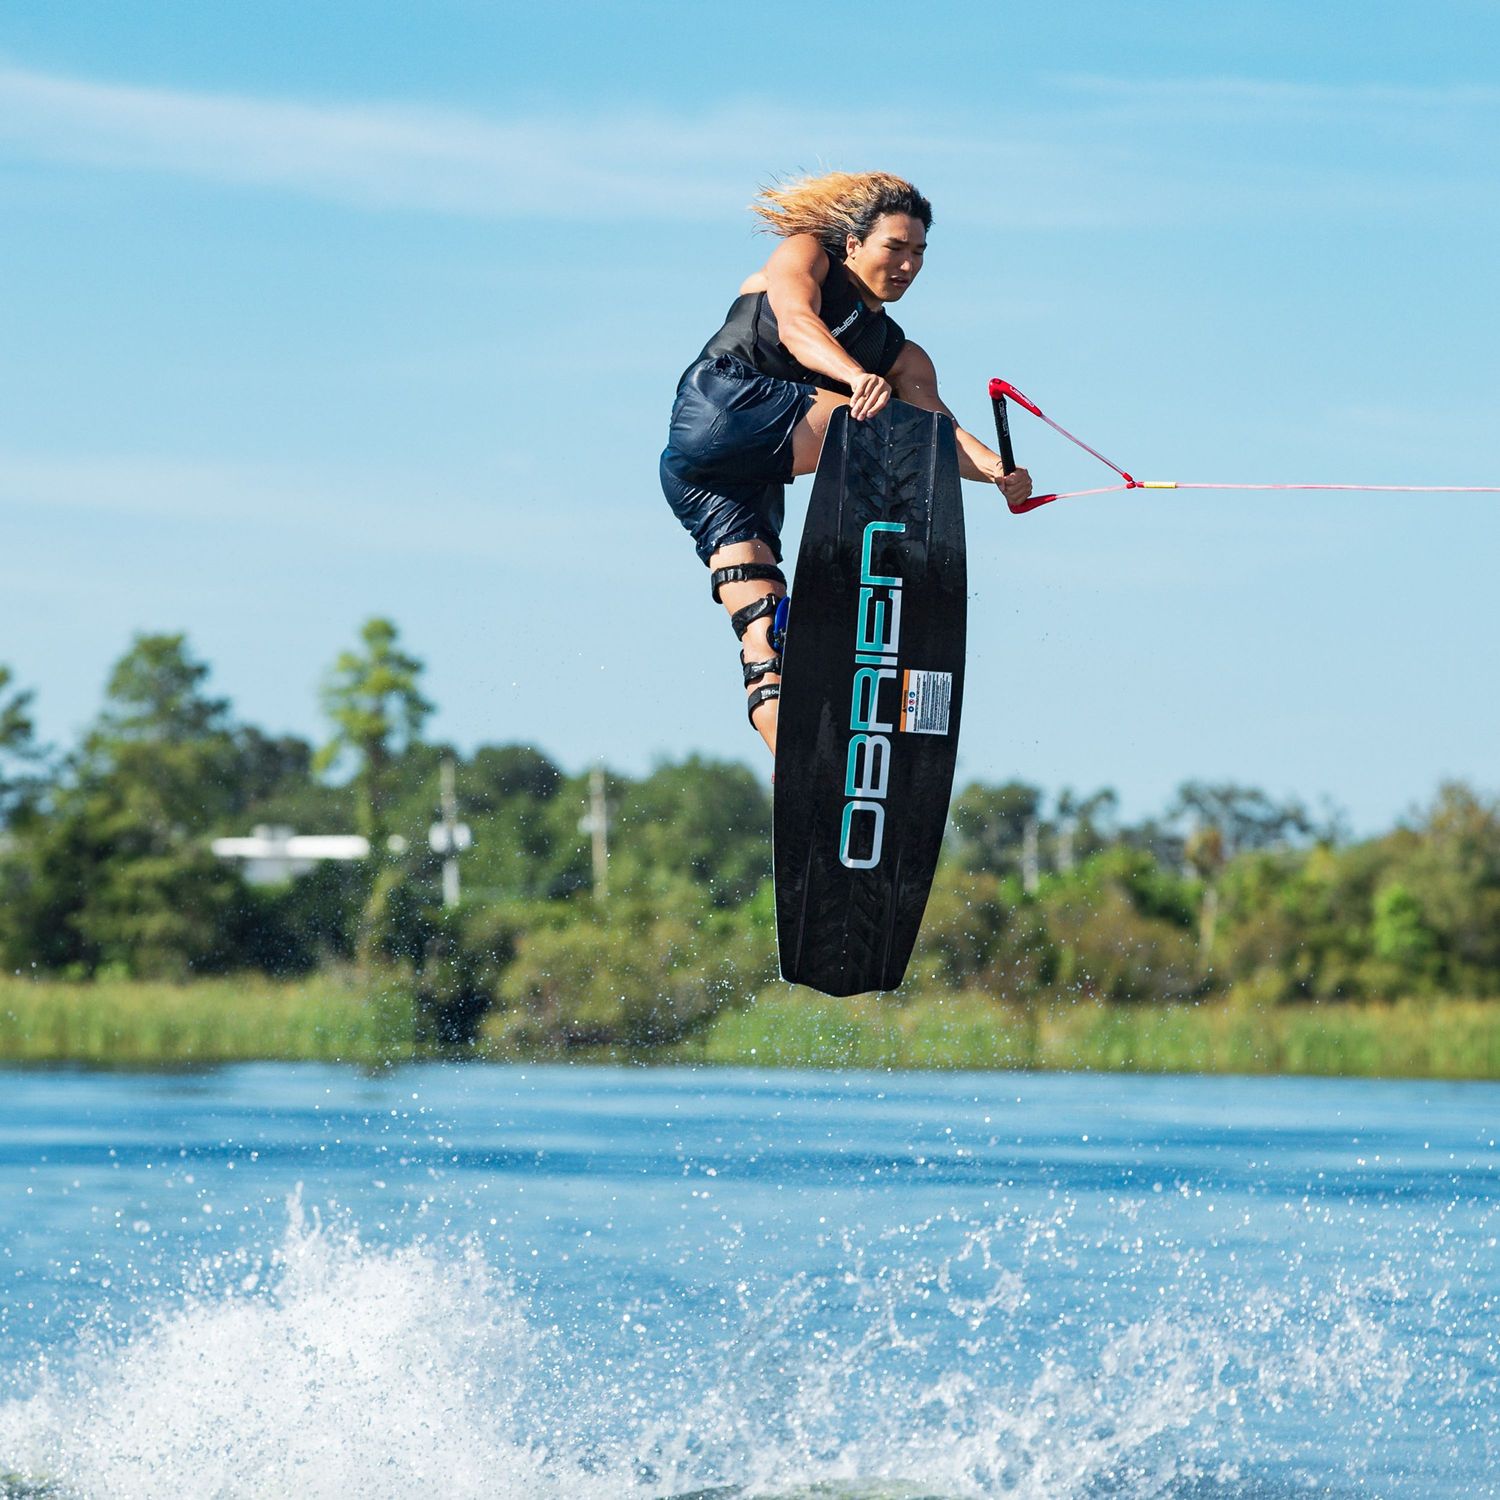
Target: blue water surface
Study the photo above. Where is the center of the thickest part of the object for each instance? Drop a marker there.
(594, 1282)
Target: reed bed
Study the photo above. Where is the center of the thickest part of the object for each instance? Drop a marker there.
(1457, 1039)
(134, 1023)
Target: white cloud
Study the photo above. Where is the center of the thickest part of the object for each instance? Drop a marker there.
(1260, 101)
(1074, 152)
(631, 164)
(380, 513)
(375, 156)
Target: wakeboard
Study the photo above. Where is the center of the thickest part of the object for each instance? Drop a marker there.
(871, 693)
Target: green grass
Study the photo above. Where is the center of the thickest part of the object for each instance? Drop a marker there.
(137, 1023)
(801, 1029)
(1405, 1039)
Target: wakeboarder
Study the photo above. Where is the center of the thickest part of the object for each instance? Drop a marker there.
(808, 333)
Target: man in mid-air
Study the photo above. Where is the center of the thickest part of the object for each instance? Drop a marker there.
(808, 333)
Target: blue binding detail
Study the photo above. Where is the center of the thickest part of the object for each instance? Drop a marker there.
(778, 625)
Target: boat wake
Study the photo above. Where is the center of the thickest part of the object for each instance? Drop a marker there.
(940, 1361)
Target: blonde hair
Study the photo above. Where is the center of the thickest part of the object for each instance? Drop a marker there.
(837, 204)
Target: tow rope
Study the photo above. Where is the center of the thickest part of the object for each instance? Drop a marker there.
(1001, 389)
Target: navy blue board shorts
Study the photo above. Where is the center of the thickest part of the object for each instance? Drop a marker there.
(729, 456)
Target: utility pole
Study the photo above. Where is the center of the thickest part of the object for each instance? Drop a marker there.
(1065, 856)
(596, 824)
(1031, 876)
(450, 823)
(449, 837)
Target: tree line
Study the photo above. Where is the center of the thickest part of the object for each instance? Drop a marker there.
(106, 869)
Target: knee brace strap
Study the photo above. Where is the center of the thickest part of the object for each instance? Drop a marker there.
(743, 619)
(754, 670)
(745, 573)
(759, 696)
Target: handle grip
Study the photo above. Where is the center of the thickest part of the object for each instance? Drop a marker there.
(1002, 427)
(999, 390)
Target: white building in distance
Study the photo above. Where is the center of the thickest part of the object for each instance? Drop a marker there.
(273, 854)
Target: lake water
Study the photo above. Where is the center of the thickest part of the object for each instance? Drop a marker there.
(538, 1283)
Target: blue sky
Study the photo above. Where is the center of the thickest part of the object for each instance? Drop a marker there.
(317, 312)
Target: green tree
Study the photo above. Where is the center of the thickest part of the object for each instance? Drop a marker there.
(1401, 938)
(1085, 822)
(155, 696)
(1453, 872)
(1204, 852)
(708, 822)
(19, 752)
(628, 974)
(373, 698)
(524, 814)
(115, 869)
(983, 932)
(1228, 820)
(1245, 817)
(21, 784)
(1295, 924)
(505, 773)
(989, 825)
(1121, 929)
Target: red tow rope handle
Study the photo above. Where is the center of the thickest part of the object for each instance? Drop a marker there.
(1003, 390)
(999, 391)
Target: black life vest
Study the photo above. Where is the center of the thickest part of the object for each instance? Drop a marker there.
(868, 335)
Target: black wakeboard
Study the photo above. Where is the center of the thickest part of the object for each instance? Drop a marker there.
(871, 690)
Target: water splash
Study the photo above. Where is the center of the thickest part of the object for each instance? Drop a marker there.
(333, 1370)
(957, 1370)
(941, 1359)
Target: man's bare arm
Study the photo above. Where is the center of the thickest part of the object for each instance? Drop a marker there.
(794, 286)
(915, 381)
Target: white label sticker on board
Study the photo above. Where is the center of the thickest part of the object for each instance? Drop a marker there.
(925, 700)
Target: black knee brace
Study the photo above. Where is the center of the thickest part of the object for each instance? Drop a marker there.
(745, 573)
(753, 671)
(759, 696)
(763, 608)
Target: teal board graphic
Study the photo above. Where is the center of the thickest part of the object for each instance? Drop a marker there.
(871, 695)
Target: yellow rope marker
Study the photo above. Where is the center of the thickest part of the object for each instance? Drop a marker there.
(1158, 484)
